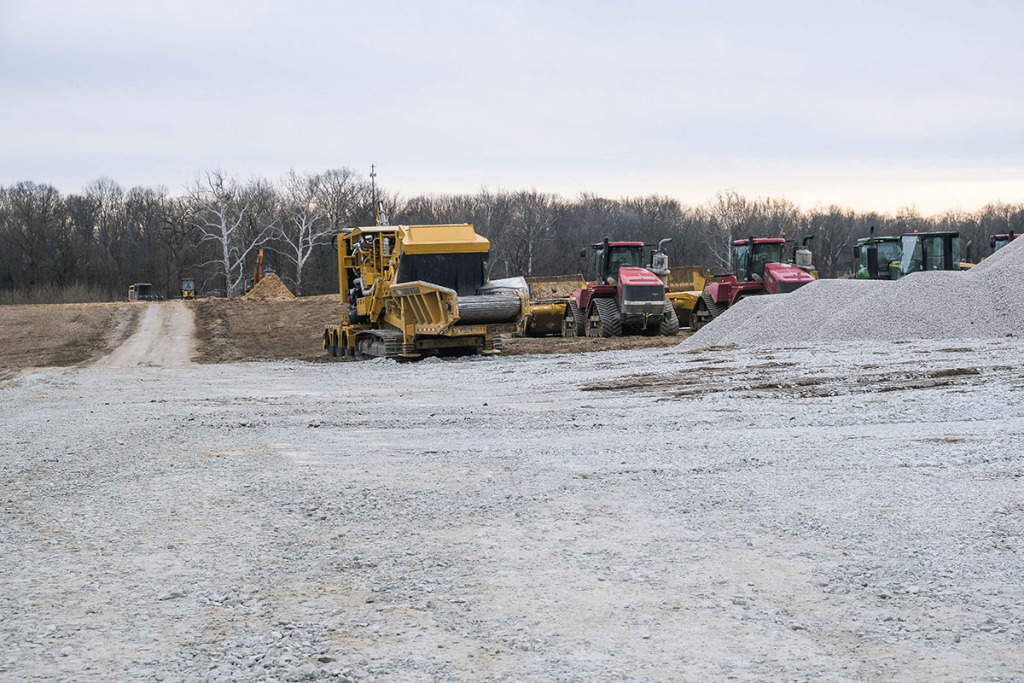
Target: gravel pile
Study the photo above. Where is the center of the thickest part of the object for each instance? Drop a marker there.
(984, 303)
(270, 288)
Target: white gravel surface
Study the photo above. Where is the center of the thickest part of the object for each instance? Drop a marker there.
(840, 513)
(984, 303)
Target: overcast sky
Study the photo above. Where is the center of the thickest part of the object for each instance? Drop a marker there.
(874, 105)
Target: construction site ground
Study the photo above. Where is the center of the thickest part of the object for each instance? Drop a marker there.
(231, 330)
(840, 512)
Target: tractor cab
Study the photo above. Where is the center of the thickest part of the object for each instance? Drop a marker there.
(878, 258)
(999, 241)
(611, 256)
(750, 256)
(929, 251)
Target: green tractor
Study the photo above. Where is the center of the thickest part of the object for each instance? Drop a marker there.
(892, 257)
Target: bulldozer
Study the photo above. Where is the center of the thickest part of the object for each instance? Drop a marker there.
(408, 291)
(188, 288)
(625, 297)
(758, 268)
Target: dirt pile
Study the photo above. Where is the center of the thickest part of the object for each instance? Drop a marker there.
(270, 288)
(984, 303)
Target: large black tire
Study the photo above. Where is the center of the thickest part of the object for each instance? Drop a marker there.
(604, 319)
(670, 322)
(574, 324)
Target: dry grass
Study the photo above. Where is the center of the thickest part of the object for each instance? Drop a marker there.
(61, 334)
(49, 294)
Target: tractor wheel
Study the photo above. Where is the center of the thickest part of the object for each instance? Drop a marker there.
(604, 319)
(670, 322)
(574, 324)
(704, 311)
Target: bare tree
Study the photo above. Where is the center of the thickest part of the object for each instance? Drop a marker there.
(303, 225)
(221, 210)
(533, 216)
(730, 212)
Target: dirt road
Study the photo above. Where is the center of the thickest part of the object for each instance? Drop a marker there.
(164, 338)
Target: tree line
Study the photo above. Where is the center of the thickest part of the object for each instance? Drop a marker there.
(91, 245)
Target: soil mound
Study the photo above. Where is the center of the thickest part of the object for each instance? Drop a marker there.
(270, 288)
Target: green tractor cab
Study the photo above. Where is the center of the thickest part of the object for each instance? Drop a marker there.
(878, 258)
(891, 257)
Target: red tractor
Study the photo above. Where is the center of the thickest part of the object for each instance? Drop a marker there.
(625, 298)
(758, 268)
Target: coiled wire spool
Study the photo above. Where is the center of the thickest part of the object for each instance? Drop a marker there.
(488, 309)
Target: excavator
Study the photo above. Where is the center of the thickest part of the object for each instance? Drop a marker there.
(257, 274)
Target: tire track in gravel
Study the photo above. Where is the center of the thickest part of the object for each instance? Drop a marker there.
(164, 338)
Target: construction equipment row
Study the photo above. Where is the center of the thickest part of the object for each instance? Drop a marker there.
(411, 291)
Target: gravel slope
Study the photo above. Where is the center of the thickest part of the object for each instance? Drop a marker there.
(840, 513)
(986, 302)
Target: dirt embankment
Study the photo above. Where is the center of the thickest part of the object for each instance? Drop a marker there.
(61, 335)
(243, 330)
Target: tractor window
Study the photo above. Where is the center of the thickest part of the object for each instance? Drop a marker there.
(741, 260)
(935, 253)
(625, 256)
(913, 255)
(887, 253)
(764, 254)
(618, 257)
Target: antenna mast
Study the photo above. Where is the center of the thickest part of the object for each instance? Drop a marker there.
(378, 207)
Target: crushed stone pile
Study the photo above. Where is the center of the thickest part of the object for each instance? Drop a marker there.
(270, 288)
(984, 303)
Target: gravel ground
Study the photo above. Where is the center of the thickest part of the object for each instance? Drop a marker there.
(834, 513)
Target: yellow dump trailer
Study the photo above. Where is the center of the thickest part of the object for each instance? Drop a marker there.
(685, 284)
(414, 290)
(548, 299)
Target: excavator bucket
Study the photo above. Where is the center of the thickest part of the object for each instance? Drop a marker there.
(548, 298)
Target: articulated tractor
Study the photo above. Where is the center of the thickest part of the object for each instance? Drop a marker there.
(413, 290)
(625, 298)
(758, 268)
